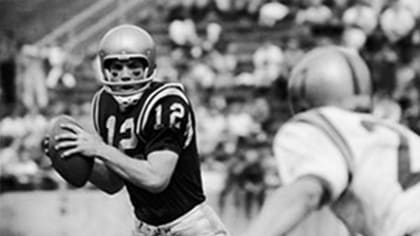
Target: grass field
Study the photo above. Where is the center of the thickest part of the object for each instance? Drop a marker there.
(91, 213)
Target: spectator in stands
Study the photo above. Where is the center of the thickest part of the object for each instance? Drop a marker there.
(240, 122)
(292, 53)
(354, 38)
(234, 166)
(406, 93)
(224, 64)
(386, 107)
(359, 20)
(69, 81)
(183, 34)
(8, 151)
(201, 76)
(272, 12)
(316, 13)
(405, 79)
(32, 77)
(412, 6)
(361, 16)
(35, 125)
(13, 126)
(251, 179)
(212, 37)
(260, 109)
(397, 22)
(56, 58)
(17, 168)
(271, 173)
(268, 64)
(211, 130)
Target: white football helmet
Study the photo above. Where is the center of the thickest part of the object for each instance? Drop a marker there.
(330, 75)
(127, 57)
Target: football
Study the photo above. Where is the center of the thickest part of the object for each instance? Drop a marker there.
(75, 169)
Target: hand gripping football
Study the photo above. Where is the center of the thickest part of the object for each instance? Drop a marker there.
(75, 169)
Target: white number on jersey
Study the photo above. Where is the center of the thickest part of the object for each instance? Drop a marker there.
(127, 127)
(176, 111)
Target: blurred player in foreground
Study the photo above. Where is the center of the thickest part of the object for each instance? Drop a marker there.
(147, 140)
(333, 152)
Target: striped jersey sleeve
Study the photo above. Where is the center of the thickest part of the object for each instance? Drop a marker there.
(95, 110)
(310, 146)
(166, 119)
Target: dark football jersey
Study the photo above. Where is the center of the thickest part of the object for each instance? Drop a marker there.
(162, 119)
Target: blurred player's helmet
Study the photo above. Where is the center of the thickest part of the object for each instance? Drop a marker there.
(330, 75)
(127, 61)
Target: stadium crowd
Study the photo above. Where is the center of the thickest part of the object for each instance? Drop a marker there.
(233, 58)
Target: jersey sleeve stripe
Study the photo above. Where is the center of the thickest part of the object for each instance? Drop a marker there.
(171, 89)
(320, 121)
(95, 110)
(189, 131)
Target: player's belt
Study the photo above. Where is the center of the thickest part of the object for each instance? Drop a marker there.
(143, 228)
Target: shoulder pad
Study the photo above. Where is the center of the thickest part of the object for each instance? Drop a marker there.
(95, 108)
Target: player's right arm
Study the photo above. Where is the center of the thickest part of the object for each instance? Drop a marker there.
(292, 203)
(314, 172)
(105, 179)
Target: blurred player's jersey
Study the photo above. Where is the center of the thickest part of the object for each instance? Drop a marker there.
(369, 167)
(162, 119)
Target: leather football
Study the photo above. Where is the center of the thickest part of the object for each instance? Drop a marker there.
(75, 169)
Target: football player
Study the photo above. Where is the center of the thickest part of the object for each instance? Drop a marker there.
(147, 140)
(332, 152)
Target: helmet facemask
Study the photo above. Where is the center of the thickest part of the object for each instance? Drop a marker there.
(126, 77)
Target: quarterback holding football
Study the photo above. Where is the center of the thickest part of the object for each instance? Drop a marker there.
(146, 142)
(333, 152)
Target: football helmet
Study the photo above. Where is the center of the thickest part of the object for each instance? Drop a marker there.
(330, 75)
(127, 57)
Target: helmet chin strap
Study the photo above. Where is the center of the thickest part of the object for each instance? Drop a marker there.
(127, 101)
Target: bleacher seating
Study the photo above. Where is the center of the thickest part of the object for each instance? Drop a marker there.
(33, 19)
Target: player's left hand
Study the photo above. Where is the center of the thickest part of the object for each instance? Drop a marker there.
(77, 141)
